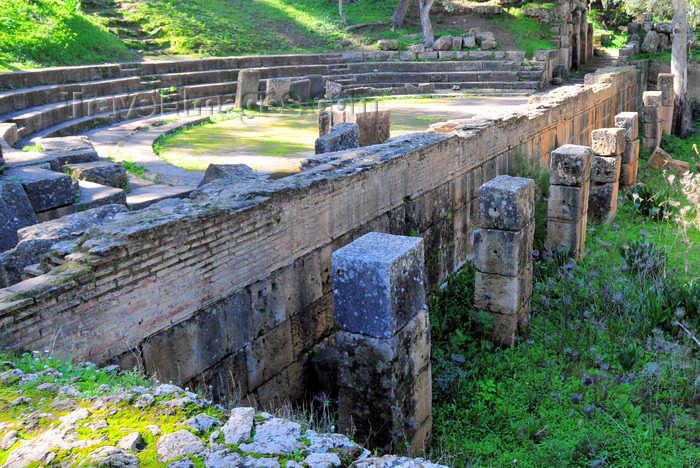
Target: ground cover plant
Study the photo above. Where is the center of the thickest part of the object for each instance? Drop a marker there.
(53, 32)
(607, 373)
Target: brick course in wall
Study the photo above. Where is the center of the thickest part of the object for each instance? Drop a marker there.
(233, 289)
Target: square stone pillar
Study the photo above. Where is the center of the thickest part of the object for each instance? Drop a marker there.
(384, 378)
(651, 119)
(630, 157)
(665, 84)
(569, 176)
(277, 91)
(608, 144)
(503, 254)
(589, 41)
(247, 88)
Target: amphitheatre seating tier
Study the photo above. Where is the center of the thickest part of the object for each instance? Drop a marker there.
(63, 101)
(58, 75)
(18, 100)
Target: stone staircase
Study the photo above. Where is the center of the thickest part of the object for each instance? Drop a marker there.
(129, 32)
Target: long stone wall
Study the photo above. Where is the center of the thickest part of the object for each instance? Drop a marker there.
(233, 287)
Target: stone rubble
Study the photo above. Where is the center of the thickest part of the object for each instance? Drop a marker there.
(247, 439)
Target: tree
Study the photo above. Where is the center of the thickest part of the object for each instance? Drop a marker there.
(397, 20)
(682, 115)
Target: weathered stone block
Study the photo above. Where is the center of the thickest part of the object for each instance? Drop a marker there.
(659, 159)
(652, 99)
(379, 379)
(505, 253)
(651, 131)
(247, 88)
(443, 43)
(267, 356)
(277, 91)
(100, 172)
(468, 42)
(416, 48)
(333, 89)
(570, 165)
(631, 153)
(316, 87)
(608, 141)
(378, 284)
(665, 83)
(506, 203)
(628, 173)
(221, 171)
(651, 42)
(505, 326)
(502, 294)
(45, 189)
(374, 127)
(387, 44)
(567, 203)
(93, 195)
(605, 169)
(651, 115)
(342, 137)
(68, 150)
(602, 202)
(457, 43)
(562, 234)
(630, 122)
(300, 90)
(16, 212)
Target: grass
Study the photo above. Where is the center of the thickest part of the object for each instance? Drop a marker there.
(527, 32)
(606, 373)
(48, 32)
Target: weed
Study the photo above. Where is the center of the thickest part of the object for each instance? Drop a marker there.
(29, 148)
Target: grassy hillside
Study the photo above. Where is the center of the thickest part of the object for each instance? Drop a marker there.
(52, 32)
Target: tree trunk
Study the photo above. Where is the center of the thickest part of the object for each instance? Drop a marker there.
(342, 14)
(428, 34)
(682, 117)
(400, 14)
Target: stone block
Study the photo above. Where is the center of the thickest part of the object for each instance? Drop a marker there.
(651, 131)
(387, 44)
(16, 212)
(384, 384)
(45, 189)
(93, 195)
(630, 122)
(429, 55)
(651, 42)
(300, 90)
(374, 127)
(608, 141)
(316, 87)
(631, 153)
(277, 91)
(652, 99)
(488, 44)
(232, 171)
(570, 165)
(68, 150)
(378, 284)
(504, 329)
(567, 203)
(605, 169)
(469, 42)
(665, 83)
(602, 202)
(563, 234)
(506, 203)
(443, 43)
(628, 173)
(247, 88)
(100, 172)
(505, 253)
(267, 356)
(502, 294)
(457, 43)
(416, 48)
(651, 115)
(659, 159)
(333, 89)
(342, 137)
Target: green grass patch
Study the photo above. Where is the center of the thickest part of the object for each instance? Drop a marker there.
(527, 32)
(604, 375)
(49, 32)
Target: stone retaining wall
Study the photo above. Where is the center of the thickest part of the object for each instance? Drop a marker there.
(234, 287)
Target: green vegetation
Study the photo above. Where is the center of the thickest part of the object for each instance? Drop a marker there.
(52, 32)
(606, 374)
(29, 148)
(527, 32)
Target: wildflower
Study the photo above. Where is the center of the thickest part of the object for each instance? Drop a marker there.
(587, 381)
(576, 398)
